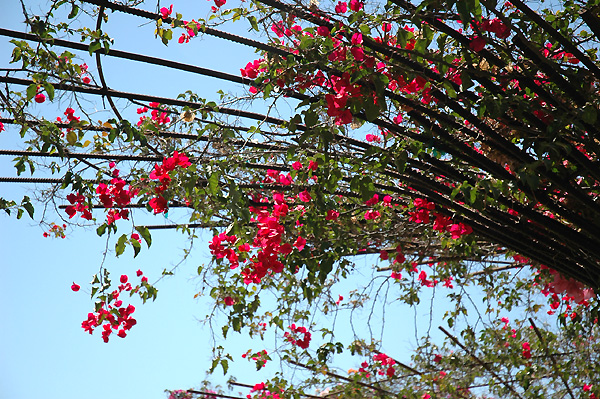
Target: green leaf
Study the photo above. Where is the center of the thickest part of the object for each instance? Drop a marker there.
(136, 247)
(213, 183)
(72, 137)
(145, 233)
(31, 91)
(49, 90)
(120, 245)
(253, 23)
(28, 206)
(225, 366)
(74, 11)
(94, 46)
(101, 230)
(589, 114)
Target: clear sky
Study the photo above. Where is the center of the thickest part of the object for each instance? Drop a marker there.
(43, 350)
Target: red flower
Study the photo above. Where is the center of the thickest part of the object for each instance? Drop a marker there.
(300, 243)
(229, 301)
(371, 214)
(477, 43)
(40, 98)
(332, 215)
(357, 38)
(356, 5)
(139, 273)
(86, 80)
(341, 7)
(323, 31)
(75, 287)
(158, 204)
(123, 279)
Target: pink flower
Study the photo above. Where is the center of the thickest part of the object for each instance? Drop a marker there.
(386, 27)
(396, 275)
(123, 279)
(297, 165)
(312, 165)
(86, 80)
(165, 12)
(304, 196)
(40, 98)
(437, 358)
(75, 287)
(139, 273)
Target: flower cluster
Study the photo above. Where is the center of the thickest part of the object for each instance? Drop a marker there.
(263, 392)
(386, 363)
(180, 394)
(110, 312)
(84, 72)
(566, 290)
(526, 350)
(161, 173)
(112, 316)
(495, 26)
(78, 205)
(218, 250)
(192, 28)
(114, 194)
(158, 116)
(337, 103)
(261, 358)
(423, 211)
(70, 114)
(294, 336)
(56, 231)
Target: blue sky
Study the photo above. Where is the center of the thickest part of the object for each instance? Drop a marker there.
(43, 350)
